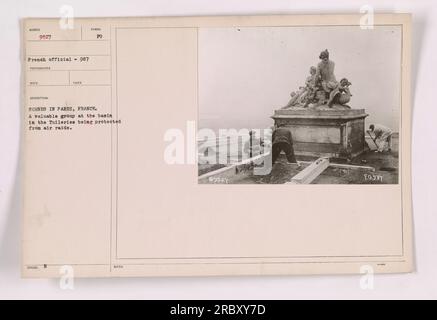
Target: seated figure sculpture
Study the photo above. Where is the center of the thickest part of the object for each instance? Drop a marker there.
(321, 87)
(325, 72)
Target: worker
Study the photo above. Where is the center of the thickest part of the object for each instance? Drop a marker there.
(382, 136)
(282, 141)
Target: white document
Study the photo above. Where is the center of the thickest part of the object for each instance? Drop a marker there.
(130, 167)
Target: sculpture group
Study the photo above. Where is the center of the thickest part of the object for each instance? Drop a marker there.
(322, 90)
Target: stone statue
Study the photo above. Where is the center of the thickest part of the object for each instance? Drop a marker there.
(304, 94)
(321, 88)
(325, 72)
(341, 94)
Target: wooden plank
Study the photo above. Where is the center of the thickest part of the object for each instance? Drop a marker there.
(345, 166)
(231, 170)
(307, 175)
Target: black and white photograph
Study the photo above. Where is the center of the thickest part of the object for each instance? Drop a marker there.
(299, 105)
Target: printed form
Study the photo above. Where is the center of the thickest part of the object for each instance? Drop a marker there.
(101, 99)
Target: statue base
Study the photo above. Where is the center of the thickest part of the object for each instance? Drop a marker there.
(325, 132)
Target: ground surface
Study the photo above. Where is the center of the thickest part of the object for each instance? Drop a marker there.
(385, 164)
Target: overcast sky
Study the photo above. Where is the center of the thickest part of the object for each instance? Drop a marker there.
(247, 73)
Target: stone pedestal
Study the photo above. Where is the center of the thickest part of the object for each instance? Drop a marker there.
(326, 132)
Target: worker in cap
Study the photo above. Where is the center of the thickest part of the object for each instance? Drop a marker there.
(382, 135)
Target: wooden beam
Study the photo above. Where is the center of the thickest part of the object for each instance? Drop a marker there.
(345, 166)
(307, 175)
(232, 170)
